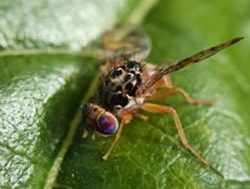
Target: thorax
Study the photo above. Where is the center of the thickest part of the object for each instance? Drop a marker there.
(118, 90)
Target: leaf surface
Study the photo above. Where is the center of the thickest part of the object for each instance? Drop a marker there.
(150, 154)
(42, 81)
(42, 84)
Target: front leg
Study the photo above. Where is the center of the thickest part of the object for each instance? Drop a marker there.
(126, 118)
(155, 108)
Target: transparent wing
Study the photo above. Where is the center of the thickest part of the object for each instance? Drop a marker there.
(122, 43)
(126, 40)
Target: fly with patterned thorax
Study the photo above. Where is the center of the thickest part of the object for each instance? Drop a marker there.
(128, 85)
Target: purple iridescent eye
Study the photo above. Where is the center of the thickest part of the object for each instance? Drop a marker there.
(107, 124)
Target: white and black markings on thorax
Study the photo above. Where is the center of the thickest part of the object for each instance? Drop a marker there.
(118, 89)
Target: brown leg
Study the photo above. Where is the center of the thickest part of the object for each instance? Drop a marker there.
(164, 82)
(155, 108)
(141, 116)
(125, 120)
(171, 91)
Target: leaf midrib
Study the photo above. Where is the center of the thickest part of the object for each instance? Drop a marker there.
(135, 18)
(52, 175)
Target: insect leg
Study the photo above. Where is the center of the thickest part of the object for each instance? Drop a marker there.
(186, 96)
(164, 82)
(141, 116)
(125, 120)
(85, 133)
(155, 108)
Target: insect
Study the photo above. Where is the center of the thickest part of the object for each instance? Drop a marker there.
(128, 85)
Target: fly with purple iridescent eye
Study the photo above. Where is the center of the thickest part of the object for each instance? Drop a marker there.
(128, 85)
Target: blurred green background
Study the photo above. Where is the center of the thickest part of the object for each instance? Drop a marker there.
(43, 81)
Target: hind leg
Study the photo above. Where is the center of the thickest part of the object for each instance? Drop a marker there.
(155, 108)
(170, 90)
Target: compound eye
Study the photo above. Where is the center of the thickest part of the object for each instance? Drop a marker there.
(107, 124)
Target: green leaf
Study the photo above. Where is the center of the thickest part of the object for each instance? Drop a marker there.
(150, 154)
(42, 84)
(43, 79)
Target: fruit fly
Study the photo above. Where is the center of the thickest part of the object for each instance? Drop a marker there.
(128, 85)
